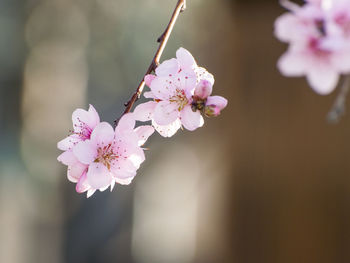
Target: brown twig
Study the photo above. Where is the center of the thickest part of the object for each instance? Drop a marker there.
(163, 39)
(338, 108)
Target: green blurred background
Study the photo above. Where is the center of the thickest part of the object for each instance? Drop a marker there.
(268, 181)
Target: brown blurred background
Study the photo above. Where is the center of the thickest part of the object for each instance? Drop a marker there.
(268, 181)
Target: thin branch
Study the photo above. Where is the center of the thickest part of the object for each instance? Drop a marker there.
(163, 39)
(338, 108)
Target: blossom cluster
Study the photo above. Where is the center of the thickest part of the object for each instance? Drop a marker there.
(318, 34)
(99, 156)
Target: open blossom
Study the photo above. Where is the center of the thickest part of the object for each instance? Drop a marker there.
(108, 156)
(318, 46)
(172, 91)
(83, 124)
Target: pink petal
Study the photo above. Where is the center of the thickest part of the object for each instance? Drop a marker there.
(124, 169)
(323, 81)
(90, 192)
(82, 117)
(166, 112)
(149, 78)
(75, 171)
(203, 89)
(191, 120)
(185, 59)
(285, 27)
(148, 95)
(82, 184)
(68, 142)
(144, 111)
(103, 134)
(126, 123)
(137, 157)
(98, 176)
(187, 80)
(292, 64)
(85, 151)
(143, 132)
(218, 101)
(203, 74)
(94, 117)
(167, 130)
(164, 87)
(125, 181)
(67, 158)
(168, 67)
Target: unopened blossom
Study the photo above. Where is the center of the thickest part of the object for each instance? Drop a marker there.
(83, 124)
(172, 91)
(210, 106)
(316, 50)
(112, 156)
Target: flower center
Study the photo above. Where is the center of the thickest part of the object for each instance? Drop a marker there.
(179, 98)
(106, 156)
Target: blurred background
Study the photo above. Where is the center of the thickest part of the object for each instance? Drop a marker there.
(268, 181)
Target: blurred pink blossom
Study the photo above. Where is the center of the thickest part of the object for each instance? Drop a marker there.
(318, 47)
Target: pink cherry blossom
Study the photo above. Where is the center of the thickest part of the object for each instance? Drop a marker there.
(98, 156)
(112, 156)
(83, 124)
(174, 91)
(315, 51)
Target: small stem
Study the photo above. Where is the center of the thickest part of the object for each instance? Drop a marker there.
(338, 108)
(289, 5)
(163, 39)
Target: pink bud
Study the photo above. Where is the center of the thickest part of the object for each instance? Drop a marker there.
(203, 89)
(211, 111)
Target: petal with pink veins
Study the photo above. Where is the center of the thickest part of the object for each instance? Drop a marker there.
(191, 120)
(166, 112)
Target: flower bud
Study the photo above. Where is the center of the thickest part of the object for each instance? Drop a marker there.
(203, 89)
(211, 111)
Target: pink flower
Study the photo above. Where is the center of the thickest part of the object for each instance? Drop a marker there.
(172, 90)
(83, 124)
(117, 154)
(112, 156)
(315, 50)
